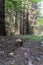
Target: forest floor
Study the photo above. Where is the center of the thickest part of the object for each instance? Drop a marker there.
(30, 53)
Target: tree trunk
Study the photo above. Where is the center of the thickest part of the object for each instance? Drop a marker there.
(17, 23)
(21, 23)
(27, 23)
(2, 17)
(16, 19)
(24, 23)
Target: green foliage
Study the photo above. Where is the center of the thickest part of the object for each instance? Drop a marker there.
(8, 4)
(35, 1)
(17, 5)
(40, 21)
(13, 4)
(30, 37)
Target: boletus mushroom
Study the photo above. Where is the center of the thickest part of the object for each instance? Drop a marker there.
(19, 42)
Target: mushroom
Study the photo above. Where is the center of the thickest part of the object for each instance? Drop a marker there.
(19, 42)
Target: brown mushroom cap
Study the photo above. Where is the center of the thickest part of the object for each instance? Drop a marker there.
(18, 40)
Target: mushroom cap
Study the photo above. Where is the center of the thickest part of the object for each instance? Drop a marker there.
(18, 40)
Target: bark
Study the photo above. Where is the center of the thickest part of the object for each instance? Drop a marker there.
(2, 18)
(24, 22)
(16, 19)
(21, 23)
(27, 23)
(17, 23)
